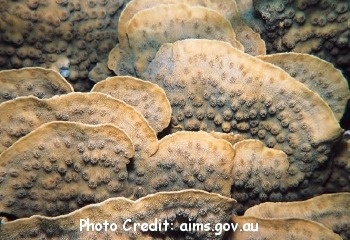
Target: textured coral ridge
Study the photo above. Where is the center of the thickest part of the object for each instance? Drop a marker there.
(318, 27)
(68, 36)
(175, 207)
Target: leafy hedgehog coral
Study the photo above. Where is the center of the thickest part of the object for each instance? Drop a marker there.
(270, 136)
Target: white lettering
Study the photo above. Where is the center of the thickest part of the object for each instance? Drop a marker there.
(249, 227)
(83, 224)
(104, 226)
(234, 226)
(125, 228)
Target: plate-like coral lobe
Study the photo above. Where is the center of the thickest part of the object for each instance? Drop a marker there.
(251, 40)
(320, 28)
(146, 97)
(22, 115)
(318, 75)
(35, 81)
(173, 22)
(187, 160)
(260, 173)
(331, 210)
(226, 8)
(215, 87)
(181, 207)
(63, 166)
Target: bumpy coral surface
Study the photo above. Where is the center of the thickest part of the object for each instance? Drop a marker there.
(68, 36)
(239, 101)
(72, 165)
(23, 115)
(148, 98)
(190, 160)
(144, 38)
(339, 180)
(269, 168)
(251, 40)
(211, 86)
(268, 132)
(318, 75)
(34, 81)
(319, 27)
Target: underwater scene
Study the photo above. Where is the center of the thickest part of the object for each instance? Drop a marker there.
(174, 119)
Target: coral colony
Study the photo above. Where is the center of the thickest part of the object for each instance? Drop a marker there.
(174, 119)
